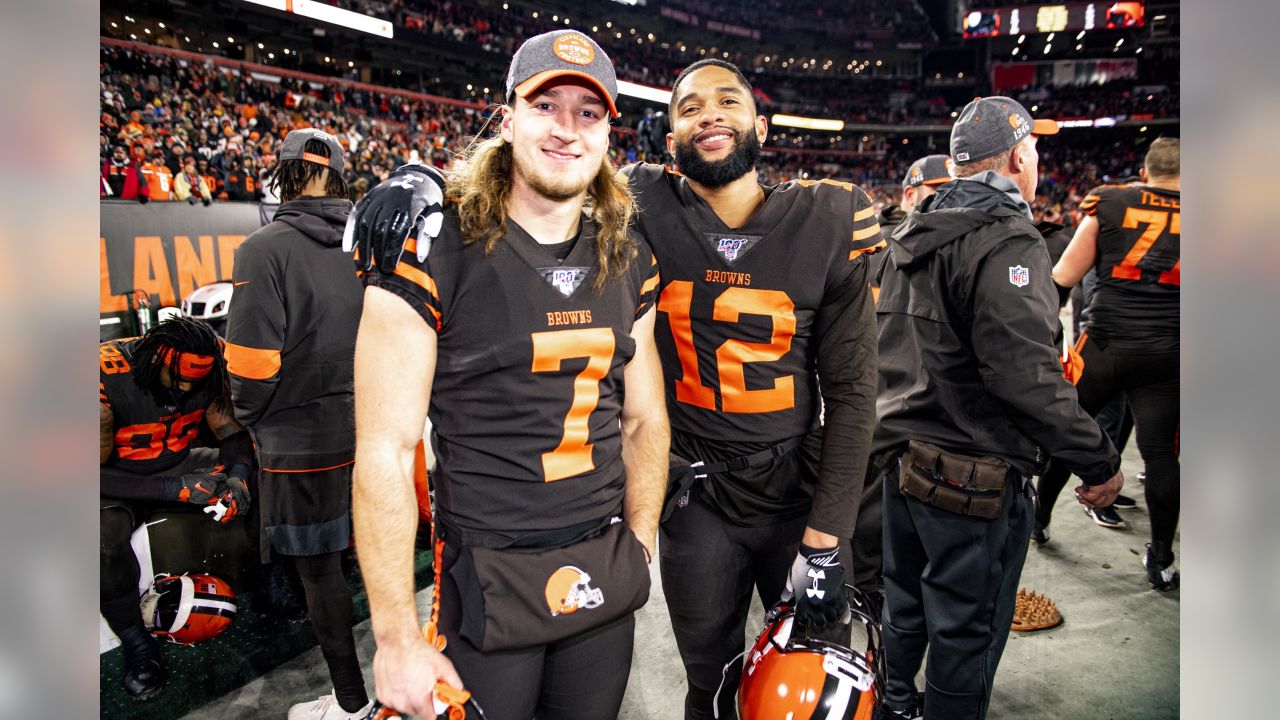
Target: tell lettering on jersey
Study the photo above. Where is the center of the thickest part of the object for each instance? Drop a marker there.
(729, 278)
(569, 317)
(1153, 200)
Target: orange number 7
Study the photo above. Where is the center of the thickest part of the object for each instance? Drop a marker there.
(1156, 221)
(573, 455)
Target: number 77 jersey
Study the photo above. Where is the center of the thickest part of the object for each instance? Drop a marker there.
(1139, 265)
(741, 310)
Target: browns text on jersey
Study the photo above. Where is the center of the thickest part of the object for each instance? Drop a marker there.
(528, 382)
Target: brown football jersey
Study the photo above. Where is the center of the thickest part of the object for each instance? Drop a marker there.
(1137, 301)
(527, 392)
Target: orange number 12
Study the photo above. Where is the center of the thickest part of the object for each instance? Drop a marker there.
(573, 455)
(732, 354)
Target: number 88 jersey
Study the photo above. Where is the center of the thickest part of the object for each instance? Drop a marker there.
(738, 310)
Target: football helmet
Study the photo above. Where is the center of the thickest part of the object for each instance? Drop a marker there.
(188, 609)
(787, 674)
(569, 590)
(210, 303)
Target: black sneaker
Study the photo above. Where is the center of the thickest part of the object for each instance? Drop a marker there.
(1124, 502)
(1040, 535)
(914, 712)
(1107, 517)
(1162, 576)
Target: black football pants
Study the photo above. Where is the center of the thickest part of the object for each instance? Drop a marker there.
(579, 678)
(709, 567)
(1150, 382)
(950, 586)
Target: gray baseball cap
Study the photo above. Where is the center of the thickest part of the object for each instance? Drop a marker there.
(928, 170)
(562, 53)
(295, 144)
(991, 125)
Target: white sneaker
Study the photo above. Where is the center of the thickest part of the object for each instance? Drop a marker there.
(326, 707)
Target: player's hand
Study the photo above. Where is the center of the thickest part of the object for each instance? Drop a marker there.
(816, 583)
(405, 675)
(1096, 496)
(409, 202)
(202, 487)
(234, 500)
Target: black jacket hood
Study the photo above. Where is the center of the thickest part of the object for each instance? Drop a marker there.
(321, 219)
(957, 209)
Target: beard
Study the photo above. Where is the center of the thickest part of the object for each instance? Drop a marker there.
(718, 173)
(554, 188)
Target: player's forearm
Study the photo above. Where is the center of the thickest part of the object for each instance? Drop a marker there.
(646, 444)
(384, 511)
(847, 373)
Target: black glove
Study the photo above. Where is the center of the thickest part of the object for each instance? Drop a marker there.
(409, 202)
(820, 578)
(234, 499)
(202, 487)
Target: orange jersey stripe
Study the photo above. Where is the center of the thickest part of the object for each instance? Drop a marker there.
(419, 278)
(252, 363)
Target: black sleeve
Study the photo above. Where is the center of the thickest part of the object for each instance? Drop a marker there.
(1013, 327)
(255, 332)
(236, 450)
(847, 375)
(124, 485)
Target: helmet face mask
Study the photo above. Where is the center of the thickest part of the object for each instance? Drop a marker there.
(188, 609)
(787, 674)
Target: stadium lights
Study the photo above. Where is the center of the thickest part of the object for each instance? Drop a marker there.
(644, 92)
(161, 25)
(1080, 35)
(333, 15)
(807, 123)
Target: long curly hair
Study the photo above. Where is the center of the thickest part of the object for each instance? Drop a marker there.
(481, 185)
(185, 335)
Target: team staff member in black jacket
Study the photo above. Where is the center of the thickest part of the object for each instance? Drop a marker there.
(972, 392)
(922, 180)
(291, 333)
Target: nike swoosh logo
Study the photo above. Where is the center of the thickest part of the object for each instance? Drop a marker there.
(238, 284)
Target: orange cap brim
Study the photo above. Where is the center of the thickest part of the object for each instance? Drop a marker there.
(527, 88)
(1044, 127)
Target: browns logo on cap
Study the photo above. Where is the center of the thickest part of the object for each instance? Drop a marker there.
(562, 53)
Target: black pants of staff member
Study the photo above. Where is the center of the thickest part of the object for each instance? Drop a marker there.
(581, 677)
(1150, 382)
(950, 586)
(709, 567)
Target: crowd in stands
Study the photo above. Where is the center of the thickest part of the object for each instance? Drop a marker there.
(178, 131)
(841, 20)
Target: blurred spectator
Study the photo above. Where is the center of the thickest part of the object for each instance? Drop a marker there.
(159, 179)
(189, 186)
(241, 186)
(121, 178)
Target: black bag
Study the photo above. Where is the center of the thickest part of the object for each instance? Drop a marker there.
(962, 484)
(522, 597)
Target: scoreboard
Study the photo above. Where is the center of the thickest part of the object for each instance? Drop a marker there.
(1047, 18)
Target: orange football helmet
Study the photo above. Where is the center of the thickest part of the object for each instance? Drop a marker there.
(788, 675)
(188, 609)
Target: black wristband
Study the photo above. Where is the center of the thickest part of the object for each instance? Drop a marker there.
(1064, 294)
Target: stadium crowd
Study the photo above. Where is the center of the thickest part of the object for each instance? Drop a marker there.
(195, 133)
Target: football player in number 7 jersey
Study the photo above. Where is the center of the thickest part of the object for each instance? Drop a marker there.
(1133, 236)
(525, 330)
(768, 345)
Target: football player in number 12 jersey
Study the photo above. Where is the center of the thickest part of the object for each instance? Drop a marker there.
(768, 345)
